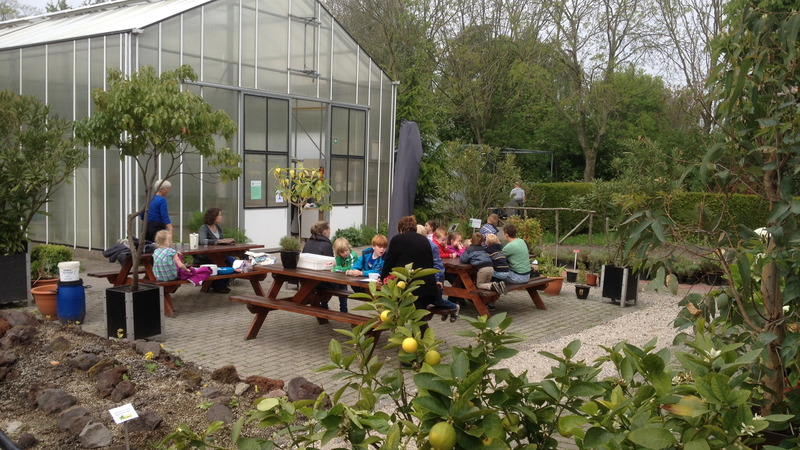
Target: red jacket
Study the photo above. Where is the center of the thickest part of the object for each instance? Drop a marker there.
(443, 251)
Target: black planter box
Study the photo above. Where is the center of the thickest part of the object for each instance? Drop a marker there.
(138, 314)
(619, 284)
(16, 270)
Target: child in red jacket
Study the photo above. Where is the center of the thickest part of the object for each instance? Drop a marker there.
(440, 238)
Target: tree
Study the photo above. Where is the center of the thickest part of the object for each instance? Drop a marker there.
(37, 155)
(57, 5)
(155, 122)
(476, 177)
(13, 9)
(590, 42)
(300, 186)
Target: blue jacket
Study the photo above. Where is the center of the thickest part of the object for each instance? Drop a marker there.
(437, 262)
(367, 265)
(477, 256)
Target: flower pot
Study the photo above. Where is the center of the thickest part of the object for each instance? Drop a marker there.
(51, 282)
(46, 298)
(134, 315)
(582, 291)
(289, 259)
(571, 276)
(554, 286)
(16, 272)
(619, 284)
(591, 279)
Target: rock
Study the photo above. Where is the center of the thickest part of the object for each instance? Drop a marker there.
(146, 421)
(54, 400)
(95, 435)
(277, 393)
(84, 361)
(93, 348)
(13, 374)
(226, 374)
(218, 411)
(7, 357)
(4, 326)
(123, 390)
(143, 347)
(301, 389)
(193, 376)
(4, 371)
(77, 425)
(108, 379)
(15, 427)
(18, 335)
(101, 366)
(264, 384)
(241, 388)
(59, 344)
(69, 416)
(210, 392)
(27, 440)
(17, 318)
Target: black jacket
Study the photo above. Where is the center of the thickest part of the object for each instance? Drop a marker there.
(411, 247)
(318, 245)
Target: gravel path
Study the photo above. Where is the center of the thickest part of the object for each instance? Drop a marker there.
(637, 328)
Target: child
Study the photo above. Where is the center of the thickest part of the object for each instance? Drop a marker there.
(440, 302)
(430, 229)
(168, 263)
(371, 260)
(440, 238)
(480, 259)
(495, 251)
(454, 243)
(345, 257)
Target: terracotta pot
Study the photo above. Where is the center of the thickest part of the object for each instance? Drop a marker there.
(554, 286)
(47, 301)
(591, 279)
(49, 282)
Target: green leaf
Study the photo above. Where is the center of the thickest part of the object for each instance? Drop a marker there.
(432, 382)
(698, 444)
(584, 389)
(266, 404)
(652, 437)
(597, 438)
(570, 424)
(431, 404)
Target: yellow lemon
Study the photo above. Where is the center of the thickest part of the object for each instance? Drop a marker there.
(410, 345)
(442, 436)
(432, 357)
(401, 284)
(385, 317)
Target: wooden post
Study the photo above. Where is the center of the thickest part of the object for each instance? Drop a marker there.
(556, 228)
(606, 231)
(591, 217)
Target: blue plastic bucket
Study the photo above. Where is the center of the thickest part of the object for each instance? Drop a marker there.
(71, 302)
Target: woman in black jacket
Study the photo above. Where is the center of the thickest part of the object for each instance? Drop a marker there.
(411, 247)
(320, 244)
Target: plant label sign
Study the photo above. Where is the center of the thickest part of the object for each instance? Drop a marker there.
(123, 413)
(475, 223)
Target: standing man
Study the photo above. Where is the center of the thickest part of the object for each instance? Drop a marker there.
(518, 195)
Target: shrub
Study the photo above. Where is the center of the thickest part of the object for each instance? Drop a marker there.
(352, 234)
(45, 259)
(528, 230)
(290, 244)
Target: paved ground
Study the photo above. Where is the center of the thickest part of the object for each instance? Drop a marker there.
(209, 329)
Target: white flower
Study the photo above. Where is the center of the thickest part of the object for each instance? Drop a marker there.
(712, 354)
(786, 309)
(758, 417)
(747, 429)
(763, 233)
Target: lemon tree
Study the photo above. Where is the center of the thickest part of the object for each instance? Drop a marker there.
(300, 186)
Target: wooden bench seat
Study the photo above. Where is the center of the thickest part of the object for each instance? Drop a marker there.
(261, 306)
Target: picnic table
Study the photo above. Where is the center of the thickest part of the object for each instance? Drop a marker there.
(216, 253)
(464, 287)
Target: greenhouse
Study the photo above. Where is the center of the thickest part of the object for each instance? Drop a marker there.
(300, 89)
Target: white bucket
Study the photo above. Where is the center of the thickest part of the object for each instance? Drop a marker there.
(69, 270)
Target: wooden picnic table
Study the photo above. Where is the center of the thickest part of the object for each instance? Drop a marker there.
(218, 255)
(464, 287)
(307, 300)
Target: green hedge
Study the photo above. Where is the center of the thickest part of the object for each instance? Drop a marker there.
(691, 209)
(558, 195)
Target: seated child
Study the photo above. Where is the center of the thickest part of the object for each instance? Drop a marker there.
(168, 263)
(440, 239)
(495, 251)
(440, 302)
(345, 257)
(476, 255)
(454, 244)
(371, 260)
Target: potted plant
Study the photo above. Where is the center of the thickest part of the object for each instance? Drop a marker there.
(37, 155)
(300, 186)
(290, 251)
(550, 270)
(44, 262)
(157, 123)
(591, 274)
(582, 288)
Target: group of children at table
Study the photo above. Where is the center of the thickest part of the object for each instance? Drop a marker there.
(485, 254)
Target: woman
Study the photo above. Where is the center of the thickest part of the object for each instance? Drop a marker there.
(211, 234)
(320, 244)
(410, 247)
(157, 215)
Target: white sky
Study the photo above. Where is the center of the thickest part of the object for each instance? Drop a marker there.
(42, 3)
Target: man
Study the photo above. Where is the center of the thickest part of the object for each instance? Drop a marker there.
(517, 196)
(516, 251)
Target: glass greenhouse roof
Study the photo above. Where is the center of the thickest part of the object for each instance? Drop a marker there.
(95, 20)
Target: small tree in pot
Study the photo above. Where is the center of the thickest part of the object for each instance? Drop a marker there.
(300, 186)
(157, 122)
